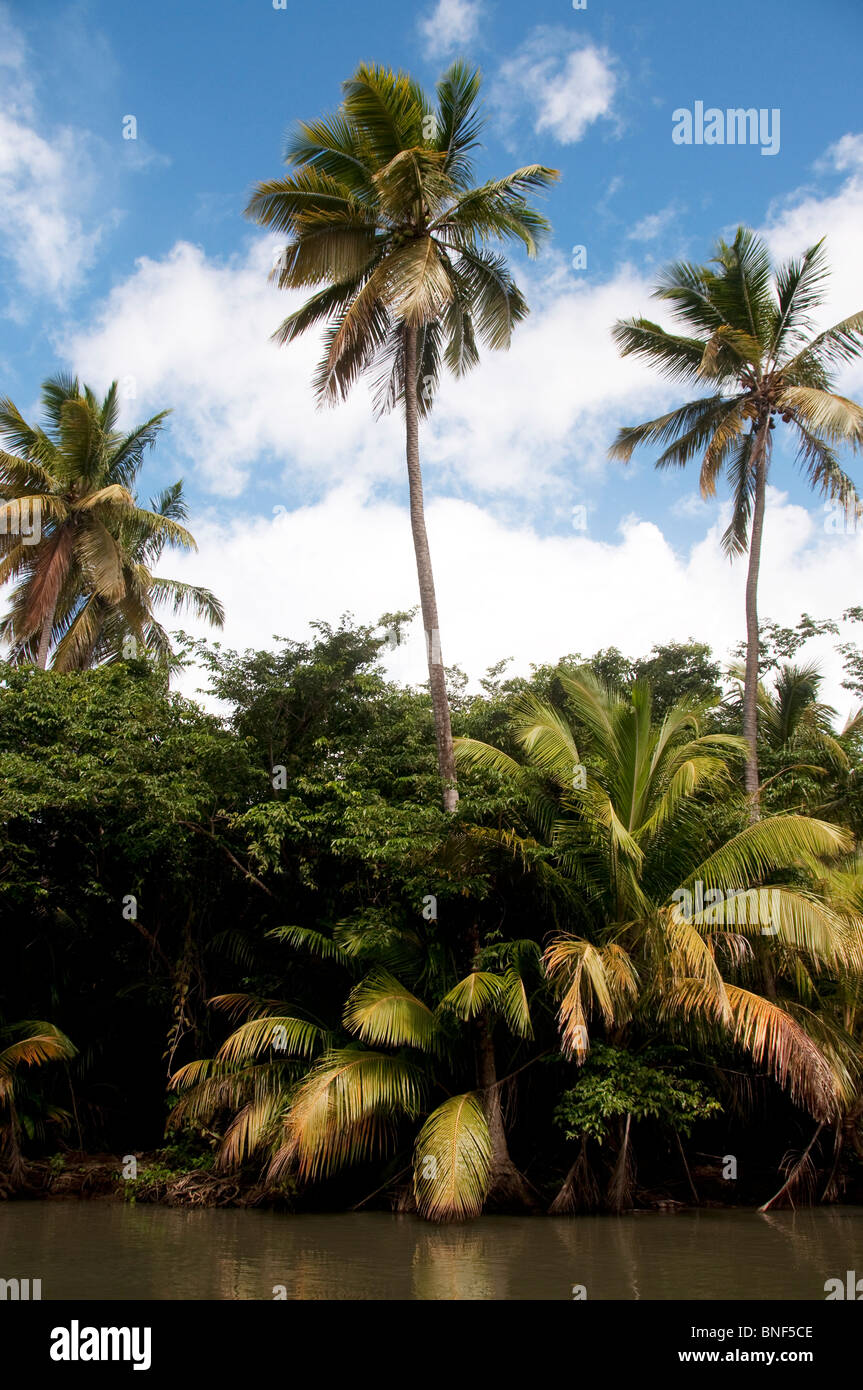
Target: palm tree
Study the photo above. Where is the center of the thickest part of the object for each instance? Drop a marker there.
(623, 816)
(96, 631)
(29, 1044)
(84, 581)
(314, 1099)
(795, 728)
(750, 338)
(381, 211)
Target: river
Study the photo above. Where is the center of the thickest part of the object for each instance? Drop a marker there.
(104, 1250)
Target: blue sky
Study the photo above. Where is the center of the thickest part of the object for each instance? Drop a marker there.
(131, 259)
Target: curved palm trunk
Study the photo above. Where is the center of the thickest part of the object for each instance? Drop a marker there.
(428, 600)
(750, 685)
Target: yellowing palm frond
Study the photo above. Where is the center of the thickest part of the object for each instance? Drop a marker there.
(452, 1161)
(588, 981)
(43, 1042)
(832, 417)
(279, 1034)
(252, 1129)
(769, 846)
(769, 1034)
(344, 1108)
(476, 994)
(382, 1012)
(515, 1005)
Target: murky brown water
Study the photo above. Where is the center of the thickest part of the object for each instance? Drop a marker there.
(95, 1249)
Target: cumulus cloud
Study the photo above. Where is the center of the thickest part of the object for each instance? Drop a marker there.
(451, 26)
(505, 590)
(45, 181)
(196, 333)
(56, 183)
(810, 214)
(566, 85)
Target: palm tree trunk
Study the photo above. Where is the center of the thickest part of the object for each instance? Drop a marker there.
(10, 1149)
(45, 639)
(507, 1188)
(428, 600)
(750, 684)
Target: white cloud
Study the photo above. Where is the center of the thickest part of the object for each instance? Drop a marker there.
(564, 389)
(45, 181)
(195, 334)
(654, 224)
(568, 86)
(805, 217)
(43, 184)
(56, 181)
(503, 590)
(846, 153)
(452, 24)
(612, 188)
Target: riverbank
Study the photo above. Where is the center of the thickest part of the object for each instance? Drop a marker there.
(157, 1178)
(146, 1177)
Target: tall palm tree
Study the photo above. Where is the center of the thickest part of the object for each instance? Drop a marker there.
(26, 1044)
(750, 340)
(85, 581)
(628, 832)
(381, 210)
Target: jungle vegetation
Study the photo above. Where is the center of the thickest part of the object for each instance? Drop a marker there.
(433, 947)
(265, 932)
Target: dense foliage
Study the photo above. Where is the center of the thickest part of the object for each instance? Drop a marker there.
(261, 929)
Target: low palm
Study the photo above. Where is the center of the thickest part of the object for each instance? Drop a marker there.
(338, 1095)
(381, 210)
(27, 1044)
(798, 742)
(750, 338)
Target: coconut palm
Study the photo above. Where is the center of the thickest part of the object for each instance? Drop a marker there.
(749, 340)
(85, 580)
(380, 209)
(96, 631)
(672, 930)
(25, 1044)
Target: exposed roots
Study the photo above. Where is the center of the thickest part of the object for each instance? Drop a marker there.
(580, 1190)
